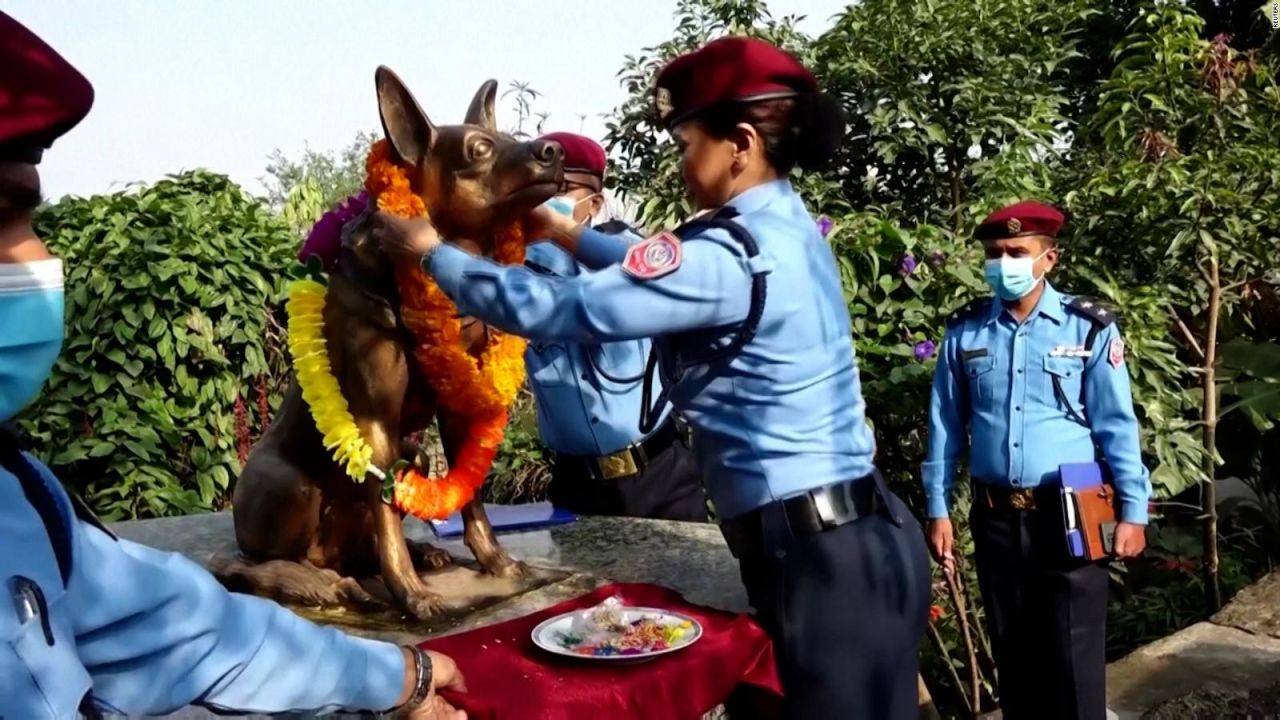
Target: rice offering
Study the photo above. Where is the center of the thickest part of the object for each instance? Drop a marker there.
(604, 630)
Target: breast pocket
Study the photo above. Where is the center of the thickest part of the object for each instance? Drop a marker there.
(1067, 372)
(979, 374)
(40, 673)
(621, 363)
(549, 365)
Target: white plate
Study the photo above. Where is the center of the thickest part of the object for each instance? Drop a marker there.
(547, 634)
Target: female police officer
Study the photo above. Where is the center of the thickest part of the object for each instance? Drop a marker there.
(833, 564)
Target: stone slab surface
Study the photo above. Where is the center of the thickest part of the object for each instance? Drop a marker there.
(1256, 609)
(1203, 657)
(690, 558)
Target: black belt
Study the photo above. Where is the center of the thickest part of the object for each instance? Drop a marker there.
(815, 511)
(1009, 499)
(632, 459)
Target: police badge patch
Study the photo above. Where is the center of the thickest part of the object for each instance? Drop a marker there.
(1115, 353)
(653, 257)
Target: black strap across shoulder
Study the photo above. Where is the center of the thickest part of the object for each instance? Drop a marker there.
(1099, 317)
(40, 497)
(678, 362)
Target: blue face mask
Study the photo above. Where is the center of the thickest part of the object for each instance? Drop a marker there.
(31, 305)
(565, 205)
(1012, 278)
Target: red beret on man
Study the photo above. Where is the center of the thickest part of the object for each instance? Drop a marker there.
(1024, 218)
(731, 69)
(584, 159)
(41, 95)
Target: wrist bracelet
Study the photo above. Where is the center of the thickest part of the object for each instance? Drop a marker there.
(421, 683)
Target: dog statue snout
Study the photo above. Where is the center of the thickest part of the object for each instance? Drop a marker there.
(547, 153)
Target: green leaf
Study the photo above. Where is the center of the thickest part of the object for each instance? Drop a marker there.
(100, 382)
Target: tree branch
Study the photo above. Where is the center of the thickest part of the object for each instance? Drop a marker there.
(1186, 332)
(957, 600)
(941, 647)
(1234, 286)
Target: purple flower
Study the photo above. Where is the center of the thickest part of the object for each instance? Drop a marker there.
(325, 238)
(907, 265)
(924, 350)
(824, 225)
(936, 258)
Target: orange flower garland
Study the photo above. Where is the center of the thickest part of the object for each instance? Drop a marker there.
(481, 391)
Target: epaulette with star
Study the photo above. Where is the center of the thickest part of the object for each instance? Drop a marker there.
(973, 308)
(1096, 310)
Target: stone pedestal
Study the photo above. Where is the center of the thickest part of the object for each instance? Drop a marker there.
(569, 561)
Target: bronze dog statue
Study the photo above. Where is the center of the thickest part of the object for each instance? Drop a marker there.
(305, 530)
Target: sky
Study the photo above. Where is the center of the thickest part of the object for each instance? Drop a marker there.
(220, 84)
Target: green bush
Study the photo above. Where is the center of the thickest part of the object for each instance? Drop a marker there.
(172, 362)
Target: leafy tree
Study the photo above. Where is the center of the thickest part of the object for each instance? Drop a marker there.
(953, 106)
(305, 188)
(172, 362)
(1176, 197)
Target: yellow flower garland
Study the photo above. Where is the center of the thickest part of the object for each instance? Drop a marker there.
(320, 388)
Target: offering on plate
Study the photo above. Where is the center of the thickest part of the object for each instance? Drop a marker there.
(606, 630)
(607, 617)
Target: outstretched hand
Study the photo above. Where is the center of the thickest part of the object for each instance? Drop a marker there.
(544, 223)
(409, 238)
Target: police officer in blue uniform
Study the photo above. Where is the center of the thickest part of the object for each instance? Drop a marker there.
(588, 394)
(752, 337)
(89, 623)
(1028, 381)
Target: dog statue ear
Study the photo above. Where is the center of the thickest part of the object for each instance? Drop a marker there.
(481, 110)
(406, 126)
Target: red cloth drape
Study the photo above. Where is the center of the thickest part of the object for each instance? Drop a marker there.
(510, 678)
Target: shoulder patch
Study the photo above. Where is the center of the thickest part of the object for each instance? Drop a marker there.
(1095, 310)
(1115, 353)
(971, 309)
(654, 257)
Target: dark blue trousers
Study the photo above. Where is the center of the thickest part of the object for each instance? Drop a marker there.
(847, 609)
(1047, 615)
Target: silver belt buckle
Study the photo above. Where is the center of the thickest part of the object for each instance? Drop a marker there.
(827, 513)
(822, 502)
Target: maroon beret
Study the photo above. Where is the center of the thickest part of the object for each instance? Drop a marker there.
(1025, 218)
(584, 159)
(41, 95)
(731, 69)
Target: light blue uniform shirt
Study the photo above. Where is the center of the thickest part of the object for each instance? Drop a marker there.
(785, 414)
(993, 392)
(151, 632)
(588, 394)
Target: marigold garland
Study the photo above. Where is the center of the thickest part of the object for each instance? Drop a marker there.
(479, 391)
